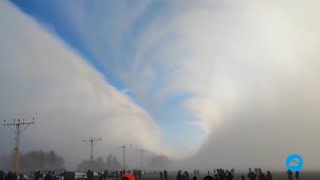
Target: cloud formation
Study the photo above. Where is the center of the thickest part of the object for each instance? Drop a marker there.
(70, 100)
(248, 72)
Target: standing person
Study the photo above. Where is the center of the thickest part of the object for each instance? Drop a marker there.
(252, 175)
(208, 178)
(269, 175)
(187, 175)
(104, 175)
(232, 172)
(117, 174)
(88, 174)
(165, 174)
(256, 171)
(289, 174)
(139, 174)
(194, 178)
(179, 176)
(297, 175)
(1, 175)
(161, 174)
(37, 176)
(261, 175)
(243, 178)
(228, 175)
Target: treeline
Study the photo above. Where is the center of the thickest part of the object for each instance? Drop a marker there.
(34, 160)
(159, 162)
(99, 164)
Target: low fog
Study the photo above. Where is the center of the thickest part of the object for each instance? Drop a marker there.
(251, 69)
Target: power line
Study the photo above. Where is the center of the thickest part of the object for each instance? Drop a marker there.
(18, 128)
(142, 151)
(91, 141)
(124, 148)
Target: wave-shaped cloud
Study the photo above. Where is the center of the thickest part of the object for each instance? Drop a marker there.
(44, 78)
(248, 71)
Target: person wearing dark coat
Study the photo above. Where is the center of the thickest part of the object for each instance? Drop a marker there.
(179, 175)
(252, 175)
(165, 174)
(297, 175)
(228, 175)
(269, 175)
(289, 174)
(1, 175)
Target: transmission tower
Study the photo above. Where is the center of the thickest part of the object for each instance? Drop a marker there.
(124, 148)
(18, 128)
(142, 151)
(91, 141)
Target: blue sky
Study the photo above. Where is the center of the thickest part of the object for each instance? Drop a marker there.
(229, 79)
(57, 17)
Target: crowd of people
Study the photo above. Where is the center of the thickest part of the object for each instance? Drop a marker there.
(217, 174)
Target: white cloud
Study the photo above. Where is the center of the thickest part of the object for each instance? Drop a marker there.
(42, 77)
(251, 67)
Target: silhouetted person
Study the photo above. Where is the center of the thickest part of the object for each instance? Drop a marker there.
(252, 175)
(117, 174)
(187, 175)
(289, 174)
(1, 175)
(165, 174)
(208, 173)
(179, 175)
(261, 176)
(216, 177)
(8, 176)
(243, 178)
(256, 171)
(89, 175)
(228, 175)
(161, 175)
(104, 175)
(221, 173)
(232, 171)
(208, 178)
(37, 175)
(297, 175)
(269, 175)
(139, 174)
(194, 178)
(48, 176)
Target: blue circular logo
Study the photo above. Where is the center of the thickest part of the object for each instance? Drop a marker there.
(294, 162)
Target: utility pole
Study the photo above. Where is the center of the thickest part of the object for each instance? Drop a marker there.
(142, 151)
(91, 141)
(18, 128)
(124, 148)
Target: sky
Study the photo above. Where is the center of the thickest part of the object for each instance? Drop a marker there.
(189, 79)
